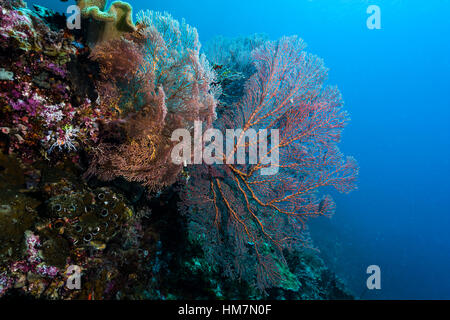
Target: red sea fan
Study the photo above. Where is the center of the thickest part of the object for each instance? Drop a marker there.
(245, 219)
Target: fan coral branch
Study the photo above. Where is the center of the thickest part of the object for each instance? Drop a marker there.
(172, 54)
(158, 82)
(144, 156)
(253, 217)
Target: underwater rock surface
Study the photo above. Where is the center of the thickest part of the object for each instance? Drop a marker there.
(68, 193)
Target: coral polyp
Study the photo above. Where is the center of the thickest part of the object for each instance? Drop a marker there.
(90, 218)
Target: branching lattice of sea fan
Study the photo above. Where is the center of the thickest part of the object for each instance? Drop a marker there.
(244, 219)
(158, 82)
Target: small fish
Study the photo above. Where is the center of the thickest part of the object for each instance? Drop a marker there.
(98, 245)
(78, 44)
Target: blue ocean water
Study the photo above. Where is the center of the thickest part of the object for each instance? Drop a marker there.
(396, 84)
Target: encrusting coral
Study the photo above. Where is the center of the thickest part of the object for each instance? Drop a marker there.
(70, 224)
(40, 111)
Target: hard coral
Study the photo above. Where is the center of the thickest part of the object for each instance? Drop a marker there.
(17, 210)
(16, 28)
(78, 225)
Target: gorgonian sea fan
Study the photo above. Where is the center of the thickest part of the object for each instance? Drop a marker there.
(172, 54)
(234, 53)
(244, 219)
(158, 82)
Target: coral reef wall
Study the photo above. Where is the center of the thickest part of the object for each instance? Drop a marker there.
(87, 179)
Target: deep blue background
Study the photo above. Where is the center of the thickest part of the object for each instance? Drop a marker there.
(395, 82)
